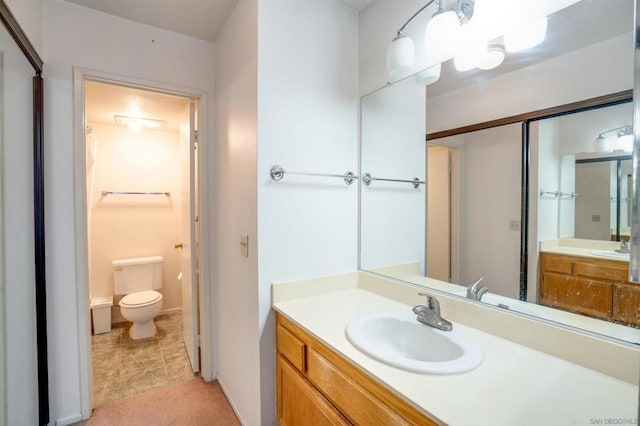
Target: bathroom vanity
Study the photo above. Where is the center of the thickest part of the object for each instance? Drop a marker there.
(318, 386)
(575, 279)
(323, 379)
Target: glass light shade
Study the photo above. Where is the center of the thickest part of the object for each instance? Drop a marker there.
(601, 144)
(429, 76)
(470, 50)
(400, 56)
(492, 58)
(442, 36)
(625, 143)
(526, 37)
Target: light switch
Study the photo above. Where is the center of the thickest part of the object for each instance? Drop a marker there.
(244, 245)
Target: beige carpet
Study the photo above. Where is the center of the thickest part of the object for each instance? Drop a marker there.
(190, 403)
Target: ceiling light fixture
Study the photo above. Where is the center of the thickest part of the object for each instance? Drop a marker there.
(138, 123)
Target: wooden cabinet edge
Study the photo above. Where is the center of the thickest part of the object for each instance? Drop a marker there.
(377, 389)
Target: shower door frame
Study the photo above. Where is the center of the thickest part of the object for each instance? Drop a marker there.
(207, 336)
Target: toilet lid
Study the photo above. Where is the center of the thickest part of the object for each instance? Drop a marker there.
(141, 298)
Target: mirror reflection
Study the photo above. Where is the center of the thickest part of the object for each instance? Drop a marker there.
(469, 230)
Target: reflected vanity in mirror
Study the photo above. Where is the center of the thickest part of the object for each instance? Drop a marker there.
(528, 178)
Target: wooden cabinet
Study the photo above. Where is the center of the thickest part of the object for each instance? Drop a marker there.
(317, 386)
(626, 303)
(593, 287)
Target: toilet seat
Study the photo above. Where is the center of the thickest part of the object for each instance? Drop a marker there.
(140, 299)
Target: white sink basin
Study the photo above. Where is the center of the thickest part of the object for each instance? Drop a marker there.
(399, 340)
(611, 254)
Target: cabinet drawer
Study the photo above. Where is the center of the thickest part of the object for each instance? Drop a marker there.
(291, 348)
(558, 264)
(360, 406)
(602, 271)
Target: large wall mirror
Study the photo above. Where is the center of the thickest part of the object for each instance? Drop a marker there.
(527, 176)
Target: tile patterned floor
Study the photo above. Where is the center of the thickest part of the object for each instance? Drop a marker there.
(123, 367)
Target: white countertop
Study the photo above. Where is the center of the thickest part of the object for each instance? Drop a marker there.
(514, 385)
(581, 248)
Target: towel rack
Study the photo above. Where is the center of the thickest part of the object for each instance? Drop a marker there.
(367, 179)
(277, 173)
(558, 193)
(134, 193)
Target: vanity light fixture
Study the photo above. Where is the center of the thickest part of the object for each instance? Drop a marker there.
(453, 32)
(138, 123)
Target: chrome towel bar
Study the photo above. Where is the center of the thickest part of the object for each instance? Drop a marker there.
(277, 173)
(558, 193)
(367, 179)
(134, 193)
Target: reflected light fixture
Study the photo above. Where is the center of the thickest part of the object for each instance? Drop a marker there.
(623, 141)
(429, 75)
(492, 57)
(138, 123)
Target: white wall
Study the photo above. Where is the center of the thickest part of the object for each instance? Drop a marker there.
(307, 121)
(393, 146)
(124, 226)
(77, 36)
(548, 166)
(489, 199)
(235, 211)
(28, 13)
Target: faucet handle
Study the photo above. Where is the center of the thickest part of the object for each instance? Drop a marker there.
(432, 302)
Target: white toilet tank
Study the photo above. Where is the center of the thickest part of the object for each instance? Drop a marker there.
(137, 274)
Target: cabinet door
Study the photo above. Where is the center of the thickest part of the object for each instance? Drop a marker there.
(358, 404)
(299, 403)
(576, 294)
(626, 302)
(591, 297)
(553, 289)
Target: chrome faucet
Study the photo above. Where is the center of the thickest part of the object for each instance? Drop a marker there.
(624, 247)
(430, 314)
(475, 292)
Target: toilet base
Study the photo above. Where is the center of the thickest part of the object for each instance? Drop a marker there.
(142, 330)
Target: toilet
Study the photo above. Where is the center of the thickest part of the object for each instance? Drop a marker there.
(138, 278)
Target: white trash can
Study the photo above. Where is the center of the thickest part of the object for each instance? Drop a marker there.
(101, 312)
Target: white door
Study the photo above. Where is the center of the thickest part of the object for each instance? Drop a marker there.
(189, 250)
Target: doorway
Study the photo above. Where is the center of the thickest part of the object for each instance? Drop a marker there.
(141, 200)
(442, 212)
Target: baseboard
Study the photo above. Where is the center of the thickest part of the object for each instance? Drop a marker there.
(69, 420)
(233, 406)
(172, 311)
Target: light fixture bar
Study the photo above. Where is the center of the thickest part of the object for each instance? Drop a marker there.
(399, 32)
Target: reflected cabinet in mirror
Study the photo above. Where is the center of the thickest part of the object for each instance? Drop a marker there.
(528, 175)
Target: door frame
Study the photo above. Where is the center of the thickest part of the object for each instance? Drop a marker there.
(207, 337)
